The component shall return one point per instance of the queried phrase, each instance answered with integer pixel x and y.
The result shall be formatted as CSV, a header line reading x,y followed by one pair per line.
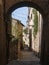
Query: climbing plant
x,y
18,33
25,30
35,22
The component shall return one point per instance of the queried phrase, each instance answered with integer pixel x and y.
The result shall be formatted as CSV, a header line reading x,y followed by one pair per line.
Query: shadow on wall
x,y
36,53
13,48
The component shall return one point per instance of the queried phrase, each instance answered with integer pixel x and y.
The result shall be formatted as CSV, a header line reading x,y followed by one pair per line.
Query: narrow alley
x,y
26,44
28,58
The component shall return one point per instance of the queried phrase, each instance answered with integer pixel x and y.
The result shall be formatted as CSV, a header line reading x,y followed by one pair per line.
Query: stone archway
x,y
22,4
42,6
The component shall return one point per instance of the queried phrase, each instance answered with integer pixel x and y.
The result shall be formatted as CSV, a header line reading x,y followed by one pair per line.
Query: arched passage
x,y
15,6
23,4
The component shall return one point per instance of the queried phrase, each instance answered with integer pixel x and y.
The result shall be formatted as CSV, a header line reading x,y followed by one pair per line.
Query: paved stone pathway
x,y
14,62
28,58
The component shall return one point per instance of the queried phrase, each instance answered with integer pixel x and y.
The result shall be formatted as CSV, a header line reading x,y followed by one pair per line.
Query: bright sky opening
x,y
21,14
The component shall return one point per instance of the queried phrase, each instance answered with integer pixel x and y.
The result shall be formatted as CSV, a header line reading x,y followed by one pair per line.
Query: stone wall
x,y
2,36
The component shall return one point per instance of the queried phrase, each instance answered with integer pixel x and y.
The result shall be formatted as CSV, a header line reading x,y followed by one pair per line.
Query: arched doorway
x,y
21,4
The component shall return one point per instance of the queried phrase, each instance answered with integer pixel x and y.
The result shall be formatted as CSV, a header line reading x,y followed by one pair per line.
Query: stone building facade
x,y
16,34
36,41
18,31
